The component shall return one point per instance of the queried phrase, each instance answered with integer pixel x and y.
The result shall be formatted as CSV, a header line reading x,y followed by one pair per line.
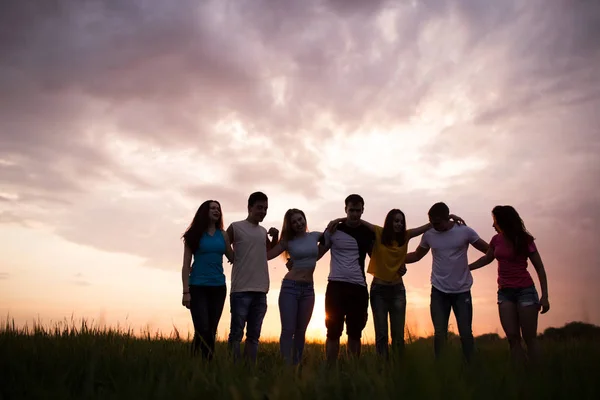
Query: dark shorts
x,y
347,302
524,297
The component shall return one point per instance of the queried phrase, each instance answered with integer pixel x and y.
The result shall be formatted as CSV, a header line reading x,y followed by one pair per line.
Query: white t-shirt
x,y
450,271
250,271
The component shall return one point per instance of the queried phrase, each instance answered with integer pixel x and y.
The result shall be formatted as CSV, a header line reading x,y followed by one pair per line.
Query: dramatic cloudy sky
x,y
118,118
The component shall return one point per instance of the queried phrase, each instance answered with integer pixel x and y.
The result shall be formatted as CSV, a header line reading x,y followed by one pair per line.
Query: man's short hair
x,y
256,197
355,199
439,210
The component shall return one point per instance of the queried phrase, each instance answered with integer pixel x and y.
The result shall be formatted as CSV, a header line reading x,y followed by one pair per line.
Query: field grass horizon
x,y
71,361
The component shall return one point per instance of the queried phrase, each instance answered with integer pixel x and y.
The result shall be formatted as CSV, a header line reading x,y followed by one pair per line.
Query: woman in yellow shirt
x,y
386,264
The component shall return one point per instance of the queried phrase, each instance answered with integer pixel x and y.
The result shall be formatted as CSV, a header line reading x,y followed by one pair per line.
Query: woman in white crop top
x,y
297,295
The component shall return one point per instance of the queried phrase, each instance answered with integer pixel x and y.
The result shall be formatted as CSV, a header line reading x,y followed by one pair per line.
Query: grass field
x,y
77,362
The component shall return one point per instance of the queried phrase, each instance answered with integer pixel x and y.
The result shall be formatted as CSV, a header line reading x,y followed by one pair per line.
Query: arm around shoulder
x,y
416,255
483,260
276,250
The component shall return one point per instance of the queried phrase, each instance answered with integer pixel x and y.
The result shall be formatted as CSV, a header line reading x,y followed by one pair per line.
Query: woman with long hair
x,y
518,301
387,265
297,296
204,288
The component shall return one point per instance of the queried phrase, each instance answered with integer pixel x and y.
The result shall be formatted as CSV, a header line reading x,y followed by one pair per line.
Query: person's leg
x,y
239,306
440,314
529,308
379,308
334,320
288,310
398,317
356,316
215,310
256,315
463,312
509,319
199,310
306,304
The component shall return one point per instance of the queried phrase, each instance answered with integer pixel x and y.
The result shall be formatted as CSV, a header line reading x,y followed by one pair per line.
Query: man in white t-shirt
x,y
249,276
451,279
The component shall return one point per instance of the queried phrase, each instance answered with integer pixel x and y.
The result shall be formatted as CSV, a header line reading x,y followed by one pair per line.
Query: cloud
x,y
79,280
120,118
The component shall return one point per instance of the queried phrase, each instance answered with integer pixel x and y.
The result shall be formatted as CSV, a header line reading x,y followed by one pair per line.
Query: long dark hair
x,y
388,235
200,224
287,232
510,223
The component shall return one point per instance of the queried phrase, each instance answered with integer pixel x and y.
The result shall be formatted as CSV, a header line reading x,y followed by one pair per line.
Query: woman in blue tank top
x,y
297,295
204,289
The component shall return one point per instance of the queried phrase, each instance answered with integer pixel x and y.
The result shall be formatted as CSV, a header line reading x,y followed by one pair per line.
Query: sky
x,y
119,118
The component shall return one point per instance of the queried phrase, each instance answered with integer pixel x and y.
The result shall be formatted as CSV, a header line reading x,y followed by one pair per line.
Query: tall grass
x,y
78,361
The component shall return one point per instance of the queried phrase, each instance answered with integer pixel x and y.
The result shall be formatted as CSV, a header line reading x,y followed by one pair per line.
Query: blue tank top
x,y
207,268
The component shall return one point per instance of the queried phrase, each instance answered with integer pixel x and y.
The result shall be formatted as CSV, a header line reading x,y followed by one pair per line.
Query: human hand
x,y
333,224
402,270
457,219
544,305
186,300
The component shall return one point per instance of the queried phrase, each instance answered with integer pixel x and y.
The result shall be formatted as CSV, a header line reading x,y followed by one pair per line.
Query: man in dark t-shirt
x,y
347,297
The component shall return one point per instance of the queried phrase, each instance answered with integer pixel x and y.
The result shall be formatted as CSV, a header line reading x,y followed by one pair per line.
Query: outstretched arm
x,y
416,255
368,225
275,251
414,232
484,260
481,245
536,260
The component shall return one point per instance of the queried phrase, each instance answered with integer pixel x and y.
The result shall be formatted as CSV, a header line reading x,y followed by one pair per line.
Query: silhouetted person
x,y
249,276
204,288
451,279
518,302
387,265
297,295
347,297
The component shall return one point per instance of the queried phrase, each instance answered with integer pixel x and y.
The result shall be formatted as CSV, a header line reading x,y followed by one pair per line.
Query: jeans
x,y
296,303
524,297
462,305
206,307
248,310
388,300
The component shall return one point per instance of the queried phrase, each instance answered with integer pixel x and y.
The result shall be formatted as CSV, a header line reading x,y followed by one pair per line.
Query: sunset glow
x,y
112,133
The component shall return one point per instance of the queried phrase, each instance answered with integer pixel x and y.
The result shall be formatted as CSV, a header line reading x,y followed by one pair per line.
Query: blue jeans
x,y
462,305
388,300
524,297
247,308
296,303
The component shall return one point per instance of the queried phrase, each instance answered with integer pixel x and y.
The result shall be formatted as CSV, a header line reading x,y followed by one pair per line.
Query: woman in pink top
x,y
518,302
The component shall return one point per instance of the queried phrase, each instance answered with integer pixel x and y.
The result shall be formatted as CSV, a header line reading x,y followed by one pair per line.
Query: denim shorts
x,y
524,297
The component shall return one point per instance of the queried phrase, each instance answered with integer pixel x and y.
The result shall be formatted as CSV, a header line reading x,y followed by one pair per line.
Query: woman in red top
x,y
518,302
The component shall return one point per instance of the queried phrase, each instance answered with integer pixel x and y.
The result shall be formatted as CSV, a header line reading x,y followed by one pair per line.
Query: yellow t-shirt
x,y
386,260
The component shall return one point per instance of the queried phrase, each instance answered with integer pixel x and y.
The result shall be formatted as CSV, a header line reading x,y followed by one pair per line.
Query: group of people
x,y
249,247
